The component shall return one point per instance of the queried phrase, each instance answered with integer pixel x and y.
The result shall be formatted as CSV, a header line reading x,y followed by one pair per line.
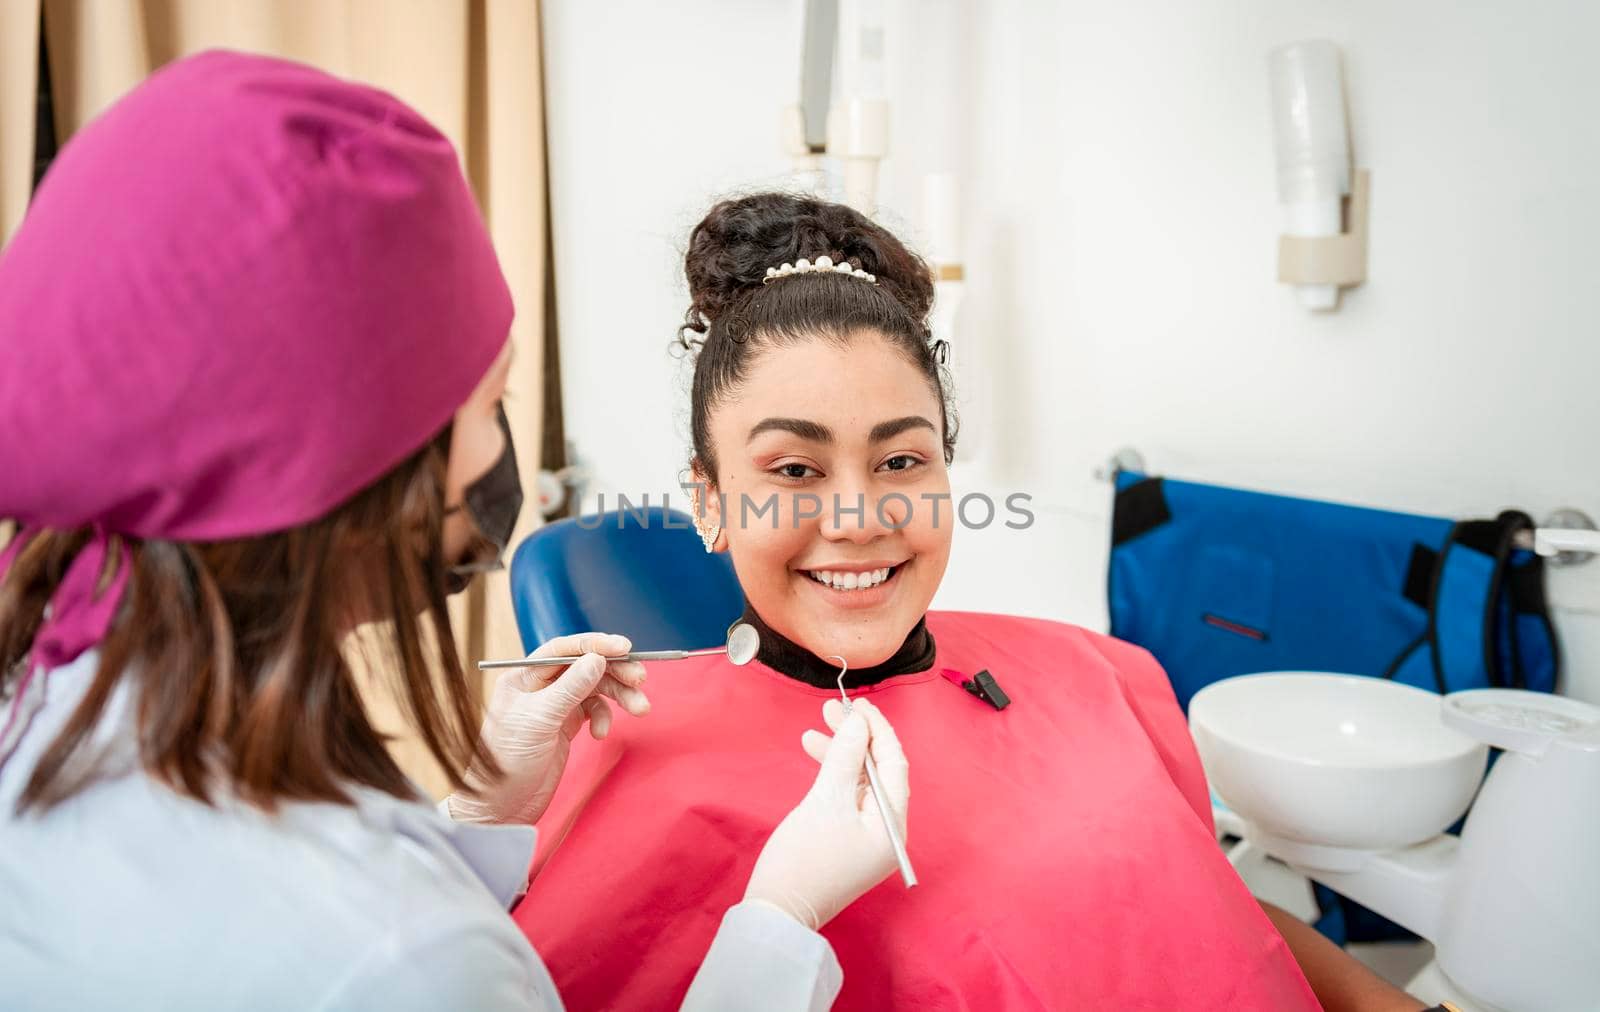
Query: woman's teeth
x,y
851,581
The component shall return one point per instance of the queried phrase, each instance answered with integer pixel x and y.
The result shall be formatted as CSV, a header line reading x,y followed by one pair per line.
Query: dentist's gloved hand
x,y
833,847
533,715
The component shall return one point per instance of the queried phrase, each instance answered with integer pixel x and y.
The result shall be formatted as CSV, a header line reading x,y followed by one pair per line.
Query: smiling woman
x,y
839,566
820,389
1063,843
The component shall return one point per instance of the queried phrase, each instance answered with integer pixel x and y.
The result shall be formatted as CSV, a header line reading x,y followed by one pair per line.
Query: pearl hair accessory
x,y
824,265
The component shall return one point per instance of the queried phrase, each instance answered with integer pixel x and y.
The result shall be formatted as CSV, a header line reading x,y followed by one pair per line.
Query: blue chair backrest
x,y
639,572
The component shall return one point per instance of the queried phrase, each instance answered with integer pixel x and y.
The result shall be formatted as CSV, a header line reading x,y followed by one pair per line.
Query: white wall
x,y
655,109
1121,241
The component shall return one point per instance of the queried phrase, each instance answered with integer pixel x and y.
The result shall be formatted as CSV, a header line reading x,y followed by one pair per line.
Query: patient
x,y
1064,843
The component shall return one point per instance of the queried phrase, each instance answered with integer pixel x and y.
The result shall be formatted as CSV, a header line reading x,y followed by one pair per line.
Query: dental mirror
x,y
743,644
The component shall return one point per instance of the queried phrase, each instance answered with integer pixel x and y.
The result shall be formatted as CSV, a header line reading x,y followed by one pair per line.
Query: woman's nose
x,y
861,515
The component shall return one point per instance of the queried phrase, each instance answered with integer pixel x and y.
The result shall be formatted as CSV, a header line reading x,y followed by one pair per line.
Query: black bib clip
x,y
981,685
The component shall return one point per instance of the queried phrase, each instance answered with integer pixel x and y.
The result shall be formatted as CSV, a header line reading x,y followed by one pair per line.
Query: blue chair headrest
x,y
639,572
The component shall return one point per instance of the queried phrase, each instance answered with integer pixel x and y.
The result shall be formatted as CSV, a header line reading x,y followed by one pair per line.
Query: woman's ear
x,y
708,512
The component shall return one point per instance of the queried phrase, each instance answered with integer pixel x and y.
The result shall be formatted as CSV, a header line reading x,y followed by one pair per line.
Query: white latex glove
x,y
833,847
533,715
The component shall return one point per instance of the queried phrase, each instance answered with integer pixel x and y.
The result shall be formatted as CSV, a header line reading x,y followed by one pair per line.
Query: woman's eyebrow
x,y
891,429
813,431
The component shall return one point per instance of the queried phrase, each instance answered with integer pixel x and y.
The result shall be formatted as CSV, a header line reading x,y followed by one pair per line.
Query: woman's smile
x,y
854,586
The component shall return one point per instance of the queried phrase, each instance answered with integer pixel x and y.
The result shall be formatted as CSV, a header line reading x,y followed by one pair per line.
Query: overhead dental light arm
x,y
816,71
843,111
805,124
858,124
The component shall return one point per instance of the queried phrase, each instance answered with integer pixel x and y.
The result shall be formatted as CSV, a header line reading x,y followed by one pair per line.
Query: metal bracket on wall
x,y
1567,537
1336,259
1125,459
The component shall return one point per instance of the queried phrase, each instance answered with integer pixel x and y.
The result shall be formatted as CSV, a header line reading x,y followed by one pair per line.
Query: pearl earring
x,y
707,530
708,533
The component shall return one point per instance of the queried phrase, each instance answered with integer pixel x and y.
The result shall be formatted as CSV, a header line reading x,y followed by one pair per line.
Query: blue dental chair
x,y
639,572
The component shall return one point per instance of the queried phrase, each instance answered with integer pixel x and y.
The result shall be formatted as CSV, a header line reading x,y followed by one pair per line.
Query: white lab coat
x,y
131,896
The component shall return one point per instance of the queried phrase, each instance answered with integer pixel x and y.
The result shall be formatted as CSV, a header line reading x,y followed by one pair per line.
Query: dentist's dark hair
x,y
733,315
236,661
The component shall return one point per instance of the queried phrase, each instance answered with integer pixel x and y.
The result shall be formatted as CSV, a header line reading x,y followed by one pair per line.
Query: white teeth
x,y
851,581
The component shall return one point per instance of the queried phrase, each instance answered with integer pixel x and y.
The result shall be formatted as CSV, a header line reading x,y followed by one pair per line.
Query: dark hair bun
x,y
732,247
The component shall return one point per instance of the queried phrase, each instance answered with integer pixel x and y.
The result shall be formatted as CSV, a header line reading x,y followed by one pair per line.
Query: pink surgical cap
x,y
240,296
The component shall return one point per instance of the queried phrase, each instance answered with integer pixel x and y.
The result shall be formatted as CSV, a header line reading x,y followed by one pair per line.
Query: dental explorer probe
x,y
907,875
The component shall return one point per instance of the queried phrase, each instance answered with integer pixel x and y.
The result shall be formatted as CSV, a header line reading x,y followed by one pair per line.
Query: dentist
x,y
254,348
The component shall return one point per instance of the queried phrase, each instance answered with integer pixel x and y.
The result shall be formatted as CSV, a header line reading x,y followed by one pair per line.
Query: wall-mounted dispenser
x,y
1324,244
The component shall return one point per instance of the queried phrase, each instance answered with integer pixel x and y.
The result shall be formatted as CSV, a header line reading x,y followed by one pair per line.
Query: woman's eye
x,y
795,471
901,462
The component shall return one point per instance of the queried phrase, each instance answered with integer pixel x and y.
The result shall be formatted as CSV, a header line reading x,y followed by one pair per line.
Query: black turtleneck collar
x,y
787,658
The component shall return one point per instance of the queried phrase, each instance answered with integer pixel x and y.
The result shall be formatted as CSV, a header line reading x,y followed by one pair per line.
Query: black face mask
x,y
493,503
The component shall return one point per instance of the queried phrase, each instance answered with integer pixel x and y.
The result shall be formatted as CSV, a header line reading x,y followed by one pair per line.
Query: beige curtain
x,y
472,67
19,72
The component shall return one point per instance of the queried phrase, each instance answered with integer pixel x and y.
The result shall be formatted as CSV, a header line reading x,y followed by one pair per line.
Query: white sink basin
x,y
1335,760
